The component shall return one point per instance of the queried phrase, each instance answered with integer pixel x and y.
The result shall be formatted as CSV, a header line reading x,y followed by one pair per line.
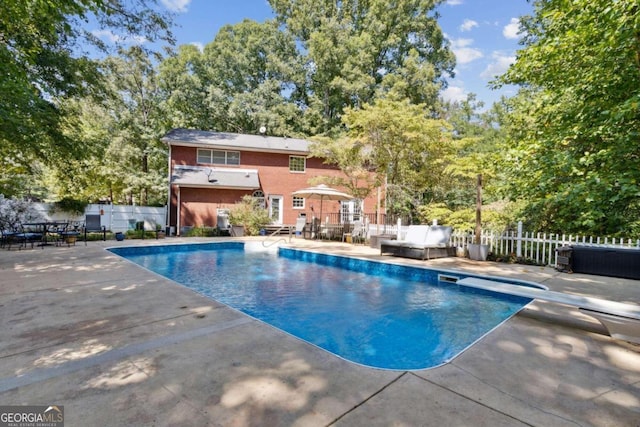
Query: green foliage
x,y
40,70
202,232
494,217
574,127
70,205
249,214
401,141
250,75
354,160
123,159
362,51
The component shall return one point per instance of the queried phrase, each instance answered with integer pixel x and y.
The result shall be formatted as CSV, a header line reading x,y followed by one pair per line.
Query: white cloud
x,y
461,42
464,52
112,37
467,25
454,2
454,94
500,64
199,45
176,5
467,54
512,29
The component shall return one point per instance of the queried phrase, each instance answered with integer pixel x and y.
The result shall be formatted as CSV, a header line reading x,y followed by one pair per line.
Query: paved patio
x,y
118,345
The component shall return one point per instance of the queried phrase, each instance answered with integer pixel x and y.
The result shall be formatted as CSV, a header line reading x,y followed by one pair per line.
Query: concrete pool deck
x,y
118,345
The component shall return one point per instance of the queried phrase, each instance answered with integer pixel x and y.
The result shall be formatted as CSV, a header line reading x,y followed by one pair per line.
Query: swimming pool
x,y
376,314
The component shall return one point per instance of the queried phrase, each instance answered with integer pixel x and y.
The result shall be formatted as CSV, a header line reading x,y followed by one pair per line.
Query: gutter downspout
x,y
178,214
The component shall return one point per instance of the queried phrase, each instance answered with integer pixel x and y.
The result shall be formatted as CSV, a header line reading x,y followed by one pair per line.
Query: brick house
x,y
211,171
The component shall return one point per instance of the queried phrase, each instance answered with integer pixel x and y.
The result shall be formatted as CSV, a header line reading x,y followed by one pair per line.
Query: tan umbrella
x,y
322,192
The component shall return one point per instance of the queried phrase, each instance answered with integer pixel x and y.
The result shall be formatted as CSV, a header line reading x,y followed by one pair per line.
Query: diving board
x,y
621,320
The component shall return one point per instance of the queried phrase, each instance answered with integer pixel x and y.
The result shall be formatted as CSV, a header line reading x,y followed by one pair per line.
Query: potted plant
x,y
478,251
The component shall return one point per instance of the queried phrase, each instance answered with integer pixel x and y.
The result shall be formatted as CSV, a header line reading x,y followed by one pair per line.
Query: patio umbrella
x,y
322,192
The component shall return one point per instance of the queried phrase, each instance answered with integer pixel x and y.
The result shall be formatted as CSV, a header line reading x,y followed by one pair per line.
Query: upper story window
x,y
297,163
218,157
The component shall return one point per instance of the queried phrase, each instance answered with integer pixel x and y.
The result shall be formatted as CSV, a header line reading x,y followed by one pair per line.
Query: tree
x,y
123,159
182,79
405,145
42,63
477,138
353,158
357,51
574,127
139,155
249,76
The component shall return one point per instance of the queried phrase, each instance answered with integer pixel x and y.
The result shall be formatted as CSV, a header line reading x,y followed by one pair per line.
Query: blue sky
x,y
483,34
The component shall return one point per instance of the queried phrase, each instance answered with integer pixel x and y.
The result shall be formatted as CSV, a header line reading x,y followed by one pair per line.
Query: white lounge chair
x,y
421,242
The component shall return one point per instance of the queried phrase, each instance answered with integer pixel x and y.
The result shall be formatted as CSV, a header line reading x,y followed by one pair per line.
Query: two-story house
x,y
211,171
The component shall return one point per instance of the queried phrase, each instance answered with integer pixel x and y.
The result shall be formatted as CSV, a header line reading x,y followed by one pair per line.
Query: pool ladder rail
x,y
278,231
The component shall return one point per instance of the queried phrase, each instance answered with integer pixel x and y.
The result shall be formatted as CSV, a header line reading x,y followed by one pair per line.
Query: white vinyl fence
x,y
113,217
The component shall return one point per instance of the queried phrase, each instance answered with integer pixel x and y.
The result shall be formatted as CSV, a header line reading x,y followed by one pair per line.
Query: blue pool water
x,y
376,314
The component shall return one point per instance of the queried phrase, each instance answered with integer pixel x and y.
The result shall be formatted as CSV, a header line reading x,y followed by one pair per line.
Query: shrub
x,y
202,232
249,214
69,205
14,212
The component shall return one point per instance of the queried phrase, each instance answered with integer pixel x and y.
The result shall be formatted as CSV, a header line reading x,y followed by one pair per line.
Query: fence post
x,y
519,240
399,236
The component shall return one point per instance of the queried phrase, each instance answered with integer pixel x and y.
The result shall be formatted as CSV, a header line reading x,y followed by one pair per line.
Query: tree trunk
x,y
478,230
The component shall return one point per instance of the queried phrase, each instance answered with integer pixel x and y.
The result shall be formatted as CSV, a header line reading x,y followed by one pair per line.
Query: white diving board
x,y
621,320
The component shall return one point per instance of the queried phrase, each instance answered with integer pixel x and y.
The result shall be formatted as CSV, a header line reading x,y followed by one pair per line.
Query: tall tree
x,y
40,65
139,124
575,126
400,141
182,79
357,49
249,76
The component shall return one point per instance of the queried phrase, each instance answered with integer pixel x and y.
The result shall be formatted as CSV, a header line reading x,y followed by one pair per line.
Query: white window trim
x,y
211,162
304,159
304,203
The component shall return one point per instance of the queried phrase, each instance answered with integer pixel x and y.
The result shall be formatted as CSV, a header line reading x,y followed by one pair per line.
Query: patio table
x,y
46,228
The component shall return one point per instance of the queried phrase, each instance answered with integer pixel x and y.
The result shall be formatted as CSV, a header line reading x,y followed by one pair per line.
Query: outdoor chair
x,y
301,223
357,233
92,225
8,237
23,236
68,234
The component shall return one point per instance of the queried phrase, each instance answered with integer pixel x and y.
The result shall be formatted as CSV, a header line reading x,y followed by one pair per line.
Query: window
x,y
259,196
351,211
297,164
298,202
218,157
